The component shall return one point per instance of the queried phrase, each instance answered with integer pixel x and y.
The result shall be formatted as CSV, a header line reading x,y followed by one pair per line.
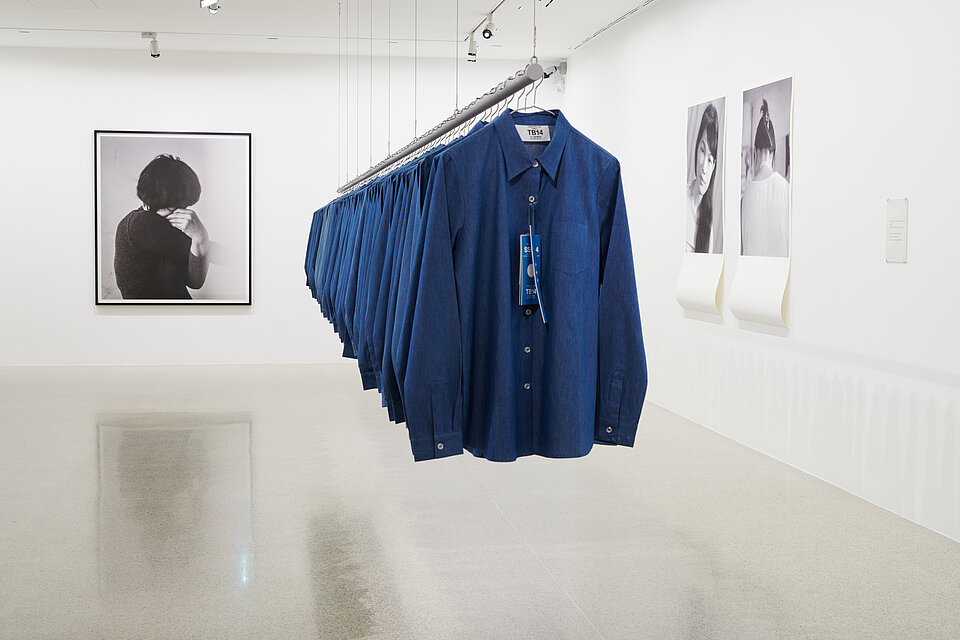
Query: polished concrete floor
x,y
278,502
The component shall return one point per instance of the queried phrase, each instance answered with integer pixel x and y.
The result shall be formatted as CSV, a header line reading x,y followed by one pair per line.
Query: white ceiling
x,y
430,28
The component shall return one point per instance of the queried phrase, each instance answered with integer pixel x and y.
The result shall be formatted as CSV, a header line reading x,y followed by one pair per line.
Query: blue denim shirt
x,y
361,265
372,273
313,248
486,374
406,202
374,254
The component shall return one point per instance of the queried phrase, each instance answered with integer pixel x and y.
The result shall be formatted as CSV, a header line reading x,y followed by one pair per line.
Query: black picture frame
x,y
154,260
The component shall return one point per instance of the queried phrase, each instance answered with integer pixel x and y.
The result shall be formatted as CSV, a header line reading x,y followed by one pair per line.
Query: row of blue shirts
x,y
420,274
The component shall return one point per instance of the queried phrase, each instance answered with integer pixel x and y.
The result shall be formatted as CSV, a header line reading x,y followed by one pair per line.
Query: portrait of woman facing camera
x,y
704,222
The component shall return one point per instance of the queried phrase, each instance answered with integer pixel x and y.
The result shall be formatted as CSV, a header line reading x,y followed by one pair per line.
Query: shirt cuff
x,y
615,432
348,350
439,446
368,379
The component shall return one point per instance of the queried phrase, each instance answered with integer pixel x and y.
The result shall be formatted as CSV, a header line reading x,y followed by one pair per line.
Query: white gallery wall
x,y
863,389
53,101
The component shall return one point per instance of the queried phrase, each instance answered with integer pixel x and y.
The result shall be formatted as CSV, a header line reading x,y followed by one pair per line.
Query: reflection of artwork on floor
x,y
175,504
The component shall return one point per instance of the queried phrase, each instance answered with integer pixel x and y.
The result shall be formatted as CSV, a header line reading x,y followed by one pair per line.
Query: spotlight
x,y
154,46
557,68
210,5
472,51
488,30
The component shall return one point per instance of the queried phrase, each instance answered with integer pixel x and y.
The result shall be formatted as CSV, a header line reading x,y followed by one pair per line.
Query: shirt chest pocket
x,y
571,247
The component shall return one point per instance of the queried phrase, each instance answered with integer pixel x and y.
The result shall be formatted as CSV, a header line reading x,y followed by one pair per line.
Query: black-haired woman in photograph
x,y
162,247
703,228
765,205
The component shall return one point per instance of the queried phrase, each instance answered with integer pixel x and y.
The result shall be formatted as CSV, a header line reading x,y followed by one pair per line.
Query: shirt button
x,y
609,430
440,446
526,349
526,385
536,164
532,198
527,311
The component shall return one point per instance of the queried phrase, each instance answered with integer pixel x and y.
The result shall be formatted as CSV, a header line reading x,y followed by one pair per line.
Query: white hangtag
x,y
534,132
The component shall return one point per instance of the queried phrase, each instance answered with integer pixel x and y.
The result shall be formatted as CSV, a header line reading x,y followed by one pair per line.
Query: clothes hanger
x,y
505,105
533,107
464,129
453,134
516,100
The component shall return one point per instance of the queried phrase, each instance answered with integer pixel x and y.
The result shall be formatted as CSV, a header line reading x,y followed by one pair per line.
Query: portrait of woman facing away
x,y
173,218
162,246
765,179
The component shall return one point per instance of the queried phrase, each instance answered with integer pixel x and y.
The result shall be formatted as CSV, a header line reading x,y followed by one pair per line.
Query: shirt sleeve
x,y
309,263
369,363
346,286
432,383
151,233
622,364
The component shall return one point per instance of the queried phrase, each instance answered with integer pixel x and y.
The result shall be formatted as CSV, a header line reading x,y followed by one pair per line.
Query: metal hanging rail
x,y
501,92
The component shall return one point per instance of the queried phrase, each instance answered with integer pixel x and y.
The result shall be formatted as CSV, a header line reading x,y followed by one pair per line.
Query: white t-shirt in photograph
x,y
765,221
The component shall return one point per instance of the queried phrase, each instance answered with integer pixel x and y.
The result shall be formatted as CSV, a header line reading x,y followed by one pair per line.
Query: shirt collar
x,y
514,151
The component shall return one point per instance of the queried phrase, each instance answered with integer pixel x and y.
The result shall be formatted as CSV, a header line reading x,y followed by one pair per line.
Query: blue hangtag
x,y
529,269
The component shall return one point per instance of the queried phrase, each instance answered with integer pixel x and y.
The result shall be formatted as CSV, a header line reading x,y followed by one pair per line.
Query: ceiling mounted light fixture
x,y
210,5
154,45
488,30
472,50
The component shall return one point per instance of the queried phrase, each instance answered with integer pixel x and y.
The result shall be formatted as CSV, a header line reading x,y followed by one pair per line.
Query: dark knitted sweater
x,y
151,258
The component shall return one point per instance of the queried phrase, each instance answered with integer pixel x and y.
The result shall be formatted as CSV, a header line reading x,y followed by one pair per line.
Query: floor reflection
x,y
175,500
139,525
342,592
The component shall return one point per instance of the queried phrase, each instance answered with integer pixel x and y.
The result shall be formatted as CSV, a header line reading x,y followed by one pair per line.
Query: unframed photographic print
x,y
765,170
172,217
704,210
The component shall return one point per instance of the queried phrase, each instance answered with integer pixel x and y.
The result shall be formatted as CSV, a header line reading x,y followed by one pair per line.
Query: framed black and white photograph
x,y
704,210
765,170
172,218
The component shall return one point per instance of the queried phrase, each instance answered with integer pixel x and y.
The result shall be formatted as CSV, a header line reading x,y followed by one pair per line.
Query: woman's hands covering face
x,y
187,221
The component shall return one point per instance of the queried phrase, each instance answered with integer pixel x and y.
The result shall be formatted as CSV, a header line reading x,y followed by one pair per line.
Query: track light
x,y
154,46
210,5
488,30
557,68
472,50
